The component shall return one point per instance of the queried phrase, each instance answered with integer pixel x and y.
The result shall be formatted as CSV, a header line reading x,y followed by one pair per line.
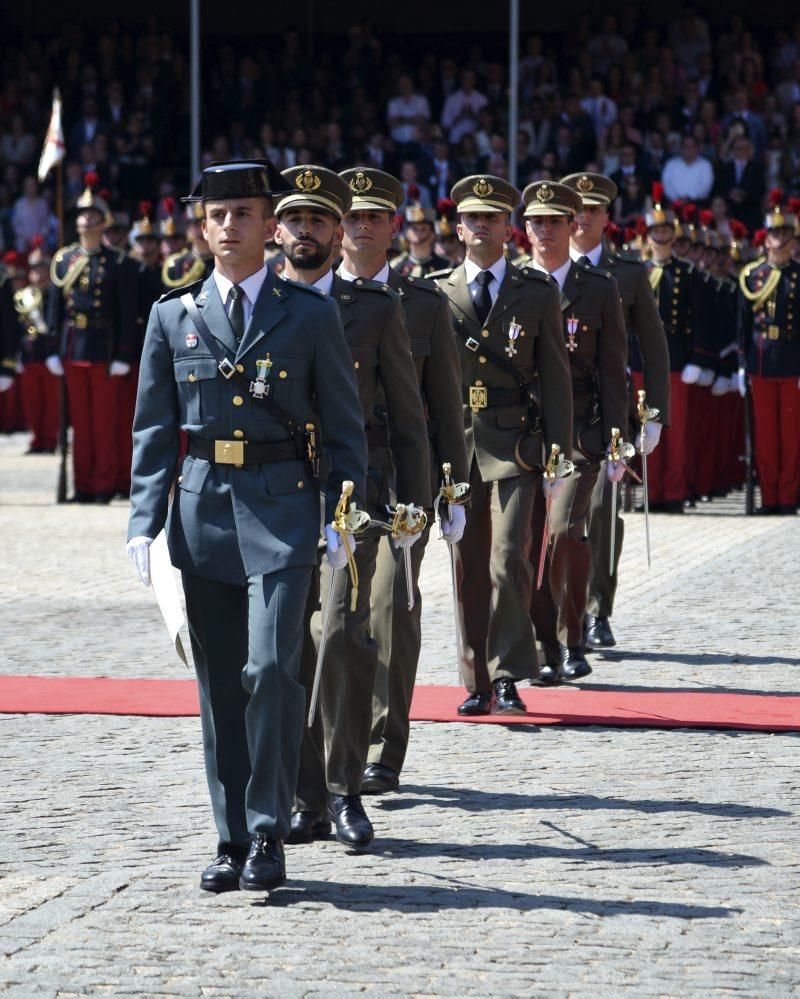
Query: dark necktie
x,y
483,300
584,261
237,311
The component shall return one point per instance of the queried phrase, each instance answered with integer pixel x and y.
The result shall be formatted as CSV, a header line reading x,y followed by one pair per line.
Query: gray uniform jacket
x,y
229,523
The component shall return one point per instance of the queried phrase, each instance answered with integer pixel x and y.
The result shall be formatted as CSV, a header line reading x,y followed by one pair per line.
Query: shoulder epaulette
x,y
425,283
177,292
366,285
600,271
534,274
58,258
436,275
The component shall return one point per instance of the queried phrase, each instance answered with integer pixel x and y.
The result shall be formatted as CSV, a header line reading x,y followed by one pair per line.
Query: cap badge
x,y
415,213
360,183
482,188
545,193
307,181
585,184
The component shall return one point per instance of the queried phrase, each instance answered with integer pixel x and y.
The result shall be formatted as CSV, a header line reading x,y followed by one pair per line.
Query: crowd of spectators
x,y
710,109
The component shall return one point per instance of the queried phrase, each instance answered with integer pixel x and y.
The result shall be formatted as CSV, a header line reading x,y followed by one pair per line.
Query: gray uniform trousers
x,y
246,643
334,752
602,584
399,639
495,579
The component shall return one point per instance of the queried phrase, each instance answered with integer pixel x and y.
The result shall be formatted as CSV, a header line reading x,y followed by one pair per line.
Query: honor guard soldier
x,y
38,350
769,338
643,324
682,304
170,231
369,227
240,362
447,244
115,234
9,347
507,325
92,306
193,264
421,257
309,230
597,345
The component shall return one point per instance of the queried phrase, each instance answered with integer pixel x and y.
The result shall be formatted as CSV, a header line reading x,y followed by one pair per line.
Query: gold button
x,y
192,377
240,368
237,400
481,360
478,384
485,333
357,365
282,374
301,484
238,434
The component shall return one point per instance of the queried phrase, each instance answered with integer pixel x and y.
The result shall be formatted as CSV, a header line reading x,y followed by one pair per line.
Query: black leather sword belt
x,y
479,397
240,453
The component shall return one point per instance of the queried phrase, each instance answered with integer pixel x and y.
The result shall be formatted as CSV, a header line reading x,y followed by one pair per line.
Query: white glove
x,y
6,381
407,540
739,382
652,435
453,530
337,556
54,365
690,374
552,487
706,377
615,471
139,551
721,386
118,369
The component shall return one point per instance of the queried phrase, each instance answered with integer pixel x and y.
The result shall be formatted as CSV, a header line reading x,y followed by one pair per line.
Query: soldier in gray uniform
x,y
309,230
235,361
369,228
507,325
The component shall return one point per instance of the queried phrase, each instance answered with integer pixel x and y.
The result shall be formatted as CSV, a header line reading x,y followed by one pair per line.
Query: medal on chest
x,y
259,389
514,330
572,330
191,340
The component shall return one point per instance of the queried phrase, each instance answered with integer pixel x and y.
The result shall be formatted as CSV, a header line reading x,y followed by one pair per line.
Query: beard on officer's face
x,y
306,259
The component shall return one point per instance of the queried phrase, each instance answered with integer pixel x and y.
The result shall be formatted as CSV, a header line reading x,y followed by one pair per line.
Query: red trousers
x,y
41,398
776,415
127,405
666,466
702,433
12,416
93,402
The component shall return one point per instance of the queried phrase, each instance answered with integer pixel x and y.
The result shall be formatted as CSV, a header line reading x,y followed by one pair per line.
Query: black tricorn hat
x,y
224,179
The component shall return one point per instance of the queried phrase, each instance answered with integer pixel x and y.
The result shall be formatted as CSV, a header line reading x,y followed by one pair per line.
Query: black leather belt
x,y
492,398
240,453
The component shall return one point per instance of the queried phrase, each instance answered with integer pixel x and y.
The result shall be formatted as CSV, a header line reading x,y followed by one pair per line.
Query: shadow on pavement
x,y
695,658
700,688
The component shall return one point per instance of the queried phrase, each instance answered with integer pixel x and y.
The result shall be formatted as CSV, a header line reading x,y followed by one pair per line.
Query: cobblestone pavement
x,y
514,861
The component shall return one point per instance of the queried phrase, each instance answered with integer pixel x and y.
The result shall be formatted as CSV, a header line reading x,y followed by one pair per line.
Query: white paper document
x,y
162,577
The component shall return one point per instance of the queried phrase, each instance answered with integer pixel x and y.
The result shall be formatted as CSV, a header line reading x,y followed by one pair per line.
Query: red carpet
x,y
562,706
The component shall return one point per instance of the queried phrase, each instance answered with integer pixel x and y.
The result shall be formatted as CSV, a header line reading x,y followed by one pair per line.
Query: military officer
x,y
310,232
92,307
595,338
38,345
193,264
421,257
507,324
643,324
682,304
447,243
369,227
244,523
769,337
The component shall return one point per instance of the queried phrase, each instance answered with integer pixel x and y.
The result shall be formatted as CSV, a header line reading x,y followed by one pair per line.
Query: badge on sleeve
x,y
191,340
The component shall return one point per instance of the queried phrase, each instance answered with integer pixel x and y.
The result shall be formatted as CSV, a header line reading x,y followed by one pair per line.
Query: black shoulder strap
x,y
228,371
496,359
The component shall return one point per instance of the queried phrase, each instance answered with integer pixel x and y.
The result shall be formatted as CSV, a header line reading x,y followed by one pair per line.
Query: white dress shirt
x,y
251,287
688,180
325,283
472,270
593,255
382,275
559,275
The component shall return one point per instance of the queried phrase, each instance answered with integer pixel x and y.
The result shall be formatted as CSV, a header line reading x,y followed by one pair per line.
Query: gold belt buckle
x,y
229,453
773,332
81,321
478,398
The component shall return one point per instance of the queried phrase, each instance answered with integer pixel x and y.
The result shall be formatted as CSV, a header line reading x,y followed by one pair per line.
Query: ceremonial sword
x,y
618,450
346,520
452,494
645,415
557,467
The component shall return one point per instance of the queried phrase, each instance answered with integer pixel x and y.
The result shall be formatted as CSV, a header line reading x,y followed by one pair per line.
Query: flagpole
x,y
60,202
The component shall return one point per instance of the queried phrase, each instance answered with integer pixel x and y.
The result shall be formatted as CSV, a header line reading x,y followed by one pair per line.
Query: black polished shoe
x,y
767,511
787,510
550,675
81,497
675,506
507,700
265,867
479,703
103,499
379,779
224,872
353,828
598,633
574,664
308,826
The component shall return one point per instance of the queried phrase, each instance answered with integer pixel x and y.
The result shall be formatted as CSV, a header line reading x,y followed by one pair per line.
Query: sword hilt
x,y
613,447
551,468
342,528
